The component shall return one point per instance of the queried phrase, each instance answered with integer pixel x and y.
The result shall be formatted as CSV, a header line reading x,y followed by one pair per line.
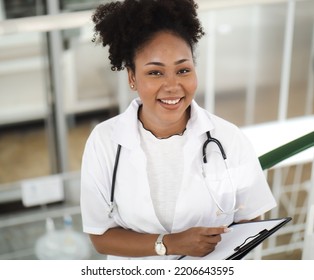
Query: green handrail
x,y
285,151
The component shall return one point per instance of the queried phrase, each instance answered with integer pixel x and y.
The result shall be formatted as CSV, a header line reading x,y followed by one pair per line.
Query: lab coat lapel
x,y
138,192
134,166
126,130
197,126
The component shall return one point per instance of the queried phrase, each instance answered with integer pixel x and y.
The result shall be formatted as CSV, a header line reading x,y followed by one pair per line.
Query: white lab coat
x,y
195,207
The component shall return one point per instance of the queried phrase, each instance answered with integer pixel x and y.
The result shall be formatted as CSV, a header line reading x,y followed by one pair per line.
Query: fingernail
x,y
228,229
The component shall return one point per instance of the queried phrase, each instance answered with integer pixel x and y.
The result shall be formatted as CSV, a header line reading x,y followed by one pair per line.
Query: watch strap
x,y
160,238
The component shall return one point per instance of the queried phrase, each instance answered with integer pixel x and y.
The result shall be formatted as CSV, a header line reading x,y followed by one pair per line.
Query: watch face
x,y
160,249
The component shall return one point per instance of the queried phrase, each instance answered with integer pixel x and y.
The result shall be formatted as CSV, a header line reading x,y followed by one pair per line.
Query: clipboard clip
x,y
240,247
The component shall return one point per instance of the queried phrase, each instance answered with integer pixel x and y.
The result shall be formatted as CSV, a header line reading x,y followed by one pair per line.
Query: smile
x,y
170,102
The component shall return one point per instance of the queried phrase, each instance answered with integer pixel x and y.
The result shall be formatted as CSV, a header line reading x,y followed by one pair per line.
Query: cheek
x,y
145,94
191,87
147,90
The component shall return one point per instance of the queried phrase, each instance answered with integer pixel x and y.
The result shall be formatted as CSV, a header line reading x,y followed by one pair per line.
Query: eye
x,y
154,73
184,71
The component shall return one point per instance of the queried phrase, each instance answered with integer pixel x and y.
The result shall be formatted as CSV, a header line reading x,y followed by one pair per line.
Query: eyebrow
x,y
162,64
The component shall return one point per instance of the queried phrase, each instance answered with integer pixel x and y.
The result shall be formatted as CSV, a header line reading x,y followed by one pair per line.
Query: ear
x,y
131,79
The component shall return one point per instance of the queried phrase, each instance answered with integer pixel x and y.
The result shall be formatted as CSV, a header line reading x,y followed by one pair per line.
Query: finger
x,y
215,231
214,239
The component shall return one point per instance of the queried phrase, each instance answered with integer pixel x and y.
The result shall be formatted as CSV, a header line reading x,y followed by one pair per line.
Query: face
x,y
165,80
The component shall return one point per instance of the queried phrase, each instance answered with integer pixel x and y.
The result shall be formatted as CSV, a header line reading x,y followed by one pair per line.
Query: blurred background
x,y
255,68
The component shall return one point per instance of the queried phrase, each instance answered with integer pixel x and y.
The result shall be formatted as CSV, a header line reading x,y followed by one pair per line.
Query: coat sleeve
x,y
95,187
254,196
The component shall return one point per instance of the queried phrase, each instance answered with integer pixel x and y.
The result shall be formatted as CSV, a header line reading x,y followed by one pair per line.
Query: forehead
x,y
164,46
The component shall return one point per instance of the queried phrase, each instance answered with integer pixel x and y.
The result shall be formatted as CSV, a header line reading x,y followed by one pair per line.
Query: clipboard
x,y
243,238
245,247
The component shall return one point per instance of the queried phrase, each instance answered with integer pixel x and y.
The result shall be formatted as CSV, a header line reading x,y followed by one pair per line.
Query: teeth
x,y
170,102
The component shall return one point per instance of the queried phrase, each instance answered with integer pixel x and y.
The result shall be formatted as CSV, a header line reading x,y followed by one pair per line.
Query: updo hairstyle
x,y
126,26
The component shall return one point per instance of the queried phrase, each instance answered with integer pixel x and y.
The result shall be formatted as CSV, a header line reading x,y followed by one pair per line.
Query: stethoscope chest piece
x,y
112,209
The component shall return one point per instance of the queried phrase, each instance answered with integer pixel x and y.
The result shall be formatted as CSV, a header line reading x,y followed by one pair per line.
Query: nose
x,y
171,83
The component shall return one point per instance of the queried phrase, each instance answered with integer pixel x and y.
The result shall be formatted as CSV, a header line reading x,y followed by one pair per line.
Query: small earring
x,y
132,86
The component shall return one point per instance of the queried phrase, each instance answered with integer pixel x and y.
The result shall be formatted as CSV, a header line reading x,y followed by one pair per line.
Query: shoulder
x,y
221,124
99,146
229,134
228,131
121,129
218,124
104,130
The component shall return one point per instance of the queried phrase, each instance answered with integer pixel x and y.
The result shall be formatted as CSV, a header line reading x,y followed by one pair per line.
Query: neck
x,y
165,130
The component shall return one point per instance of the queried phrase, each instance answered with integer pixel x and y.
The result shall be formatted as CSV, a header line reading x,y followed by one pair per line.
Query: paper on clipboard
x,y
225,249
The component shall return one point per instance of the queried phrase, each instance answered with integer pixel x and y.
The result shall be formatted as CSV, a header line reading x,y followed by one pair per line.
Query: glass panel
x,y
90,89
248,45
23,8
302,68
28,8
24,151
79,5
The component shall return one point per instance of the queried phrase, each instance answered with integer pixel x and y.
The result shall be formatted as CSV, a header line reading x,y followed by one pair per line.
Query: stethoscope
x,y
221,210
209,139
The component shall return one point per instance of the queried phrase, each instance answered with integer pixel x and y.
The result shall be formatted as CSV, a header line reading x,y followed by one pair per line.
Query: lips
x,y
170,101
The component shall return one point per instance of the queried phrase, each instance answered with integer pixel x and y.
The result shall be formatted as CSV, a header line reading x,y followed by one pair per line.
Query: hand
x,y
197,241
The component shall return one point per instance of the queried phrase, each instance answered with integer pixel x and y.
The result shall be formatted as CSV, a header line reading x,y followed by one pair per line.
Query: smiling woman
x,y
143,192
165,80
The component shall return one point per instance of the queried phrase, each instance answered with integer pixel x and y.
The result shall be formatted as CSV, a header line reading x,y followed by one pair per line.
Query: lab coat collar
x,y
200,121
126,128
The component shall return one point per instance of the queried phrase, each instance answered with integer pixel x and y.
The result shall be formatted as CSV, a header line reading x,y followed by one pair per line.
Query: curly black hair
x,y
126,26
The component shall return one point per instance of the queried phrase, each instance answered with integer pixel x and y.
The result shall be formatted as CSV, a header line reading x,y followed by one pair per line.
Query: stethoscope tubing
x,y
223,154
209,140
114,176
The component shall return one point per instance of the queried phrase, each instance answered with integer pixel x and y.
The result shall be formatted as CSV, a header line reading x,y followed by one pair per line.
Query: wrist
x,y
169,241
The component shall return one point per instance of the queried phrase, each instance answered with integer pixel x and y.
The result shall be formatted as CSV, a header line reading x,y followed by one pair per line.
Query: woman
x,y
163,205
